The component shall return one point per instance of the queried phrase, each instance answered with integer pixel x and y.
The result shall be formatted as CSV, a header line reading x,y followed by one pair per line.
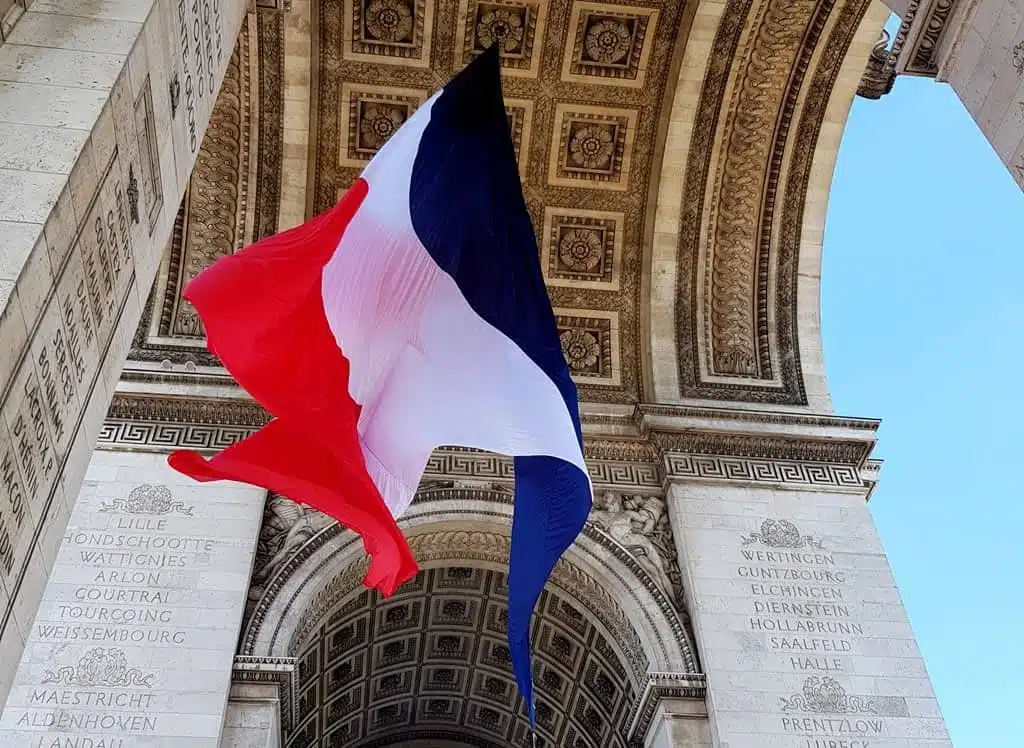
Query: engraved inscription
x,y
12,506
189,87
29,433
40,414
136,588
201,35
803,613
79,325
51,353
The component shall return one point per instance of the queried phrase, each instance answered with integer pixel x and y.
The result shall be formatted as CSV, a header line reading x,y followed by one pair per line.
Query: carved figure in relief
x,y
633,522
286,527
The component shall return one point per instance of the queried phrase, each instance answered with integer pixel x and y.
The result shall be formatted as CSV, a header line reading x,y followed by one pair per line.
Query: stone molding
x,y
292,533
916,48
663,686
327,559
279,670
773,66
629,452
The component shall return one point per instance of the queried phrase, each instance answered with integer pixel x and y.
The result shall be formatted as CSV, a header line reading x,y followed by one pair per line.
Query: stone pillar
x,y
258,703
135,637
678,724
102,109
977,46
798,621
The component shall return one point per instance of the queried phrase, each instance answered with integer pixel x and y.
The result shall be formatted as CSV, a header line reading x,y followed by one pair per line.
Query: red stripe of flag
x,y
264,318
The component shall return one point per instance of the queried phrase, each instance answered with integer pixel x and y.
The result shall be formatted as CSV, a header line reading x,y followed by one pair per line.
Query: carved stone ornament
x,y
1018,58
640,525
132,193
100,667
286,527
502,25
174,91
148,499
389,21
880,73
824,695
780,533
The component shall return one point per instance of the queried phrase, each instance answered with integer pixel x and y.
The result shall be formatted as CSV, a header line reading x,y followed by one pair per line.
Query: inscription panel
x,y
42,406
134,640
801,630
201,35
61,377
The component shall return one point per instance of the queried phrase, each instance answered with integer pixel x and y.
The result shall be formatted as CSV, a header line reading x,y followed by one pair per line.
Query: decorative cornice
x,y
672,442
663,686
644,412
279,670
188,410
771,472
915,49
165,423
832,452
922,59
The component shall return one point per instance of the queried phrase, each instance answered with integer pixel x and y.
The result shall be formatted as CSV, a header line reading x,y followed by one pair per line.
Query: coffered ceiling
x,y
671,153
432,663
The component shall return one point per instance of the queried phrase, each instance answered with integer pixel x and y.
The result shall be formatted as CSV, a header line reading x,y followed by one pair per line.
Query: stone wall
x,y
101,115
135,637
977,46
800,626
981,55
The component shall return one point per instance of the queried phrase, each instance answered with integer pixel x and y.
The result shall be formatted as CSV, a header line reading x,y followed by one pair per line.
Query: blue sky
x,y
923,313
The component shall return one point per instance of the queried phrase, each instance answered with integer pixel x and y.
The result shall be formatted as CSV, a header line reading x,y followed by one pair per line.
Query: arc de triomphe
x,y
730,589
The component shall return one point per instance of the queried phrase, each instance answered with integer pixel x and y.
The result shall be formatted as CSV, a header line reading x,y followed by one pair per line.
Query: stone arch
x,y
700,238
613,600
734,250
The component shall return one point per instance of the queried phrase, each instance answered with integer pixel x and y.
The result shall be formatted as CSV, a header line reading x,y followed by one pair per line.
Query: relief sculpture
x,y
640,525
286,527
100,667
780,533
148,499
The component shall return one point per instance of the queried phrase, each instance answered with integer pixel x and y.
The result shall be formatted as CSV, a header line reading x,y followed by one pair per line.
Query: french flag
x,y
412,315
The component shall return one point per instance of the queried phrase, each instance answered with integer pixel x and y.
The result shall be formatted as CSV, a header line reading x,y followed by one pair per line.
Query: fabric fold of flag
x,y
412,315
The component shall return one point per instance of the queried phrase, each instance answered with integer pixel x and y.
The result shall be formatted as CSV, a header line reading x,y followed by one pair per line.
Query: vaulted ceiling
x,y
675,158
432,663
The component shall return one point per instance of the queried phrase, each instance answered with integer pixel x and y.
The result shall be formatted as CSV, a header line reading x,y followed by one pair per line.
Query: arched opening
x,y
431,664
